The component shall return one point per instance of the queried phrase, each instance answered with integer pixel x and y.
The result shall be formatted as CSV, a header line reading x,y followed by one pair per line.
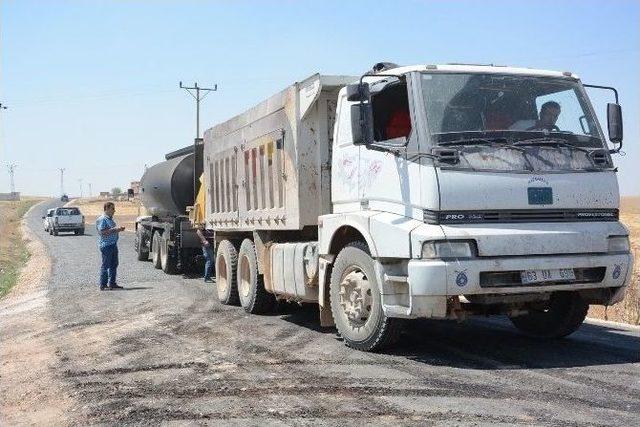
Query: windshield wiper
x,y
550,141
474,141
490,142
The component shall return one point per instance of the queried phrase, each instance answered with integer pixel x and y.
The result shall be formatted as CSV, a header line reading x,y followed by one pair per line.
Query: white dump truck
x,y
429,191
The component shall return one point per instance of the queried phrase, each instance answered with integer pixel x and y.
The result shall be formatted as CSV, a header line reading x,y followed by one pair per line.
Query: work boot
x,y
115,286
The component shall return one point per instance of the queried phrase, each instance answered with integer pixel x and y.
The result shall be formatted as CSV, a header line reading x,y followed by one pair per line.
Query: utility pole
x,y
90,192
198,98
80,182
62,181
197,140
12,170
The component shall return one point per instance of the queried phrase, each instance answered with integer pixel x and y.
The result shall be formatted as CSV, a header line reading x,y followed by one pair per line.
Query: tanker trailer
x,y
167,235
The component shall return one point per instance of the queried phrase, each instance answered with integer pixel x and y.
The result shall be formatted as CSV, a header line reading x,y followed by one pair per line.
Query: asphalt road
x,y
165,350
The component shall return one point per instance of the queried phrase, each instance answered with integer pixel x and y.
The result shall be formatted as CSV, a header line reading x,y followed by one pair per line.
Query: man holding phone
x,y
108,243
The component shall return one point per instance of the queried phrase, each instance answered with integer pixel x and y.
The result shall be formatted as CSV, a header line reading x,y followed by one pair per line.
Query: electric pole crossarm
x,y
198,98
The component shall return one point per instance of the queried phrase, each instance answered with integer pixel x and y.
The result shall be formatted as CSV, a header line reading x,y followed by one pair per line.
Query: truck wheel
x,y
563,316
167,262
356,303
141,244
81,232
253,297
155,250
226,265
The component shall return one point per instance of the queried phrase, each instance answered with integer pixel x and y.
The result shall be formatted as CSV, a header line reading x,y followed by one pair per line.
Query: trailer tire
x,y
353,274
155,250
226,266
141,247
565,314
251,292
167,262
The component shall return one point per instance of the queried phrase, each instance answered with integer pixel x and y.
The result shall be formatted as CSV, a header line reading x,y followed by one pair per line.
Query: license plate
x,y
553,275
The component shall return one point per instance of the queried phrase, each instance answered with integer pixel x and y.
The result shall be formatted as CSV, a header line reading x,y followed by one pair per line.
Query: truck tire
x,y
155,250
81,232
253,297
141,244
226,266
356,303
167,262
564,315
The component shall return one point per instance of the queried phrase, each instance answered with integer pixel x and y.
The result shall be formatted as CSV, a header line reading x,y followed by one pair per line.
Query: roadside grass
x,y
13,250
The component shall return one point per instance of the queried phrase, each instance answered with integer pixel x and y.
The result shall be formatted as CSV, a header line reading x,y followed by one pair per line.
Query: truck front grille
x,y
495,279
521,215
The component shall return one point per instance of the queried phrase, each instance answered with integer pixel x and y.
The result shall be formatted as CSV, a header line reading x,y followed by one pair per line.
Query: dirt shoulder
x,y
32,392
13,250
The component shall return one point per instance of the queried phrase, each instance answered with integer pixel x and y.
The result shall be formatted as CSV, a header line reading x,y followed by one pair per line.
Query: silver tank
x,y
166,189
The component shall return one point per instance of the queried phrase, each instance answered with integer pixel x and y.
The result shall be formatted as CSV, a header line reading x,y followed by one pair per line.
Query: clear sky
x,y
92,86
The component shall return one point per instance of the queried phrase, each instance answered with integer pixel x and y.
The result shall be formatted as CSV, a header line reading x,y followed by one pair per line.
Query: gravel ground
x,y
165,351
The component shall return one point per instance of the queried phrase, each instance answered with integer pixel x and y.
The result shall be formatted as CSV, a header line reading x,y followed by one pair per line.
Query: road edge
x,y
33,392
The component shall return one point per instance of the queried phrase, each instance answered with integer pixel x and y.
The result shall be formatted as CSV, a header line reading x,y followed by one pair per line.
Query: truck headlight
x,y
448,249
619,244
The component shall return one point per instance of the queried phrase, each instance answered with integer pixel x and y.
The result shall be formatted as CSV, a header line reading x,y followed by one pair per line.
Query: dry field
x,y
627,311
126,211
13,252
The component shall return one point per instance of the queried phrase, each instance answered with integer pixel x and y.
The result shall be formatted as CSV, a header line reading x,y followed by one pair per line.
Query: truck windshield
x,y
547,117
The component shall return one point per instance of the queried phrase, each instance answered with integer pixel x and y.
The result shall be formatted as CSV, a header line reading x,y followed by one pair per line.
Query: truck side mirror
x,y
614,122
358,92
362,124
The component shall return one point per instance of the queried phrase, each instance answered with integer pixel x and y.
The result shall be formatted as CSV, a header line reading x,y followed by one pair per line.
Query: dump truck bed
x,y
269,167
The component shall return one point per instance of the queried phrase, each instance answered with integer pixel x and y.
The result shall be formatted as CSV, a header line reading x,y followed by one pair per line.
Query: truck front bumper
x,y
432,282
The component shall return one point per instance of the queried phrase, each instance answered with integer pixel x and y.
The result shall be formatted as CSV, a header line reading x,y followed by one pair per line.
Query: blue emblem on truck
x,y
616,271
461,278
540,195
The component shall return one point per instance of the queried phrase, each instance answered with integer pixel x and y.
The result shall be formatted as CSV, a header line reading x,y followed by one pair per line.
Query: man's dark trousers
x,y
109,267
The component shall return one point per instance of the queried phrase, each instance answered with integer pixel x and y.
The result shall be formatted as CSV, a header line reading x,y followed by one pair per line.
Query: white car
x,y
66,219
47,219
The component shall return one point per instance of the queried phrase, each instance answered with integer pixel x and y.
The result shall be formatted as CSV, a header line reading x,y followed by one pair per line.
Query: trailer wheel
x,y
155,250
141,246
226,266
253,297
167,262
563,316
356,303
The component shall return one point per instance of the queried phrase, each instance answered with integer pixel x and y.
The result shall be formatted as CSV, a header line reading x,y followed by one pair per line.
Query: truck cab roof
x,y
481,68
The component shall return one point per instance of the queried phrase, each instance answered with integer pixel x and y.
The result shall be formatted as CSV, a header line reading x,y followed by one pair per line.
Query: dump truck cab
x,y
474,189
